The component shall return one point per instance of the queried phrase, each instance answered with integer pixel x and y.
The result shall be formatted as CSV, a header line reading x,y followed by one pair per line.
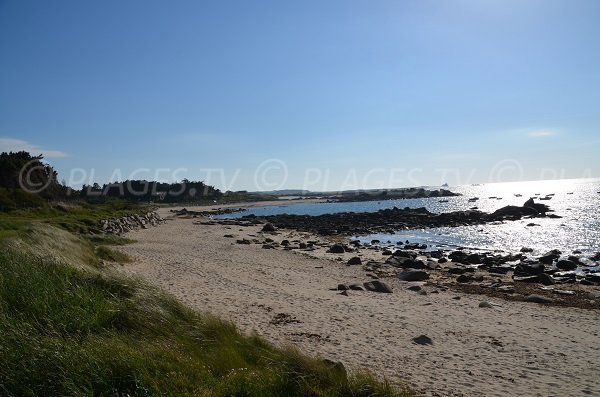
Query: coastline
x,y
510,348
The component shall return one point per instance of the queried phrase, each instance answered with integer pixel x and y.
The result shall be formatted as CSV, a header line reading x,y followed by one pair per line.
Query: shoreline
x,y
286,295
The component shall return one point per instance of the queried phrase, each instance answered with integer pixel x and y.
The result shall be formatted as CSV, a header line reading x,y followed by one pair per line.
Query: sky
x,y
319,95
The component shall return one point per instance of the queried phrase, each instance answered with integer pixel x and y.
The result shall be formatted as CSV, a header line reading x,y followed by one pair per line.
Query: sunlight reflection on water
x,y
575,200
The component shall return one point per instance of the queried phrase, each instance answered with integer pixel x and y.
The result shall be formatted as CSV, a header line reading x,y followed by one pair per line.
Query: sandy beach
x,y
512,348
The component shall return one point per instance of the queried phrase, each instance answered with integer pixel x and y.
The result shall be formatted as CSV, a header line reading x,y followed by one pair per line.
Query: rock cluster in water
x,y
388,220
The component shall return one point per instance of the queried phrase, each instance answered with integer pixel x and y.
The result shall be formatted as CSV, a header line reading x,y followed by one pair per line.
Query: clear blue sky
x,y
339,86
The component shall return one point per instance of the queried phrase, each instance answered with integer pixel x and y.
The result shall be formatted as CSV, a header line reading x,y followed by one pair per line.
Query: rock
x,y
566,265
529,269
526,249
456,270
538,299
422,292
486,305
458,256
243,241
356,287
285,243
473,259
267,246
543,278
422,340
377,286
550,257
413,275
342,287
355,261
415,288
337,249
593,277
498,269
466,278
268,227
507,289
404,254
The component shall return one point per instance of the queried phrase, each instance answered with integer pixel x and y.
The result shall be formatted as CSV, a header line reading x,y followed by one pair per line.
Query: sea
x,y
577,201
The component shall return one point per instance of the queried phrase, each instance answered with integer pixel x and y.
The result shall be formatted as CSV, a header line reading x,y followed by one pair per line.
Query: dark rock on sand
x,y
356,287
538,299
268,227
377,286
466,278
337,249
543,278
422,340
355,261
413,275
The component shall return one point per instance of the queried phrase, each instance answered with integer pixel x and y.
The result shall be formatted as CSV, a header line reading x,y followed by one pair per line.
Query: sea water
x,y
576,201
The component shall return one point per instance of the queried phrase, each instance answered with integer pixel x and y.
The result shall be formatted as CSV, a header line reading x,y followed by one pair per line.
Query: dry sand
x,y
515,348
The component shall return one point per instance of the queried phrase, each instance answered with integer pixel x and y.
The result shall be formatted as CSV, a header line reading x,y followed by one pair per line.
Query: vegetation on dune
x,y
68,331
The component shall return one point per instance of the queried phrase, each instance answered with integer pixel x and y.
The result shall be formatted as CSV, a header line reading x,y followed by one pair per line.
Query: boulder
x,y
549,257
529,269
413,275
355,261
565,264
337,249
377,286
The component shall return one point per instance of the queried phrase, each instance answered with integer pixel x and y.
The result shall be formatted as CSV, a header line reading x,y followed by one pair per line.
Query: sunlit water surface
x,y
577,201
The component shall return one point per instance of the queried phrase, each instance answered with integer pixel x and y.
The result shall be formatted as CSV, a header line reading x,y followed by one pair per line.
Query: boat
x,y
518,195
473,199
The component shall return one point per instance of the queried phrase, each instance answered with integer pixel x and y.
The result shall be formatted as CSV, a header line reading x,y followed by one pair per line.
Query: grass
x,y
72,332
76,217
107,254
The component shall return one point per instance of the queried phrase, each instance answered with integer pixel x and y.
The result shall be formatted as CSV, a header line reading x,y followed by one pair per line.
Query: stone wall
x,y
131,222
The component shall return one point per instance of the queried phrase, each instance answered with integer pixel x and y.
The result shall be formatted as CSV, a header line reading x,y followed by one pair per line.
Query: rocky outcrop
x,y
362,223
132,222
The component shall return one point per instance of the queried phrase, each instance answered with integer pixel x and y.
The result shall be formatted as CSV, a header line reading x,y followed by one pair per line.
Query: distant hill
x,y
287,192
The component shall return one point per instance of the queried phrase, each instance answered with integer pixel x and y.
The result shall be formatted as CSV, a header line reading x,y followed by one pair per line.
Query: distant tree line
x,y
145,191
26,182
